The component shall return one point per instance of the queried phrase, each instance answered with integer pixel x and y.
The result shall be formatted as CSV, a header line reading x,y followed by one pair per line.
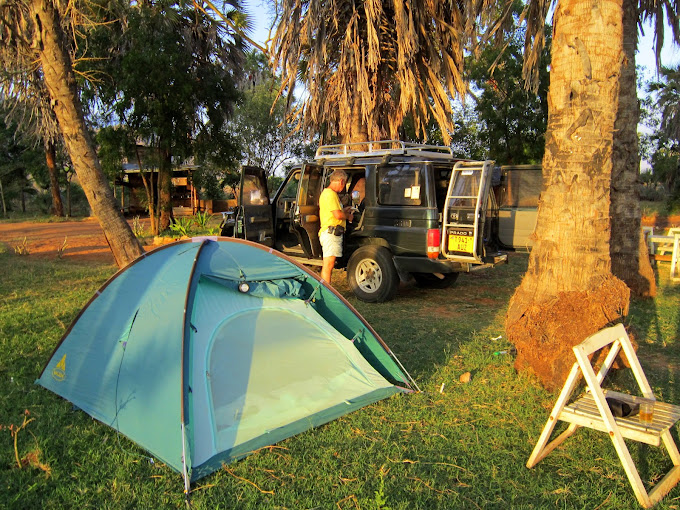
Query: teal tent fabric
x,y
205,350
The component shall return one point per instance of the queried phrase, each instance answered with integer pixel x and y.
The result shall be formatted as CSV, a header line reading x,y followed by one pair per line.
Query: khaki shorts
x,y
331,244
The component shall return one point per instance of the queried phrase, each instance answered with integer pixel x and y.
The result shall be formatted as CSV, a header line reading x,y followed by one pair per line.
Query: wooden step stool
x,y
593,412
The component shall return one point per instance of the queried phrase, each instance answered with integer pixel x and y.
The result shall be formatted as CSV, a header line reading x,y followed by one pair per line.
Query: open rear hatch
x,y
464,212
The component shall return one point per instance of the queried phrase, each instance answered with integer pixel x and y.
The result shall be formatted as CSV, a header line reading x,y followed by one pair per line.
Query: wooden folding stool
x,y
592,411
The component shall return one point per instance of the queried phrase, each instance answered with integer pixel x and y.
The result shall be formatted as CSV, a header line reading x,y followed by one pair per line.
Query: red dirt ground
x,y
85,240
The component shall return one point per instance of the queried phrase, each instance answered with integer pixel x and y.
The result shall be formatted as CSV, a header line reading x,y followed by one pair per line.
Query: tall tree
x,y
180,108
366,66
18,160
569,291
267,139
667,92
572,239
28,106
630,260
32,32
513,118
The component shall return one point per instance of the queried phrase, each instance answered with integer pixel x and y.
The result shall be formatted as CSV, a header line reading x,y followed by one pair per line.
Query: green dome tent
x,y
205,350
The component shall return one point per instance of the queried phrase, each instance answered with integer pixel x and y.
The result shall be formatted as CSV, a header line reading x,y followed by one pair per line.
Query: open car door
x,y
305,222
253,219
464,212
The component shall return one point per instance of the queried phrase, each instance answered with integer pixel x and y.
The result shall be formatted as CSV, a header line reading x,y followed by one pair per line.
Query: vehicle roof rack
x,y
380,148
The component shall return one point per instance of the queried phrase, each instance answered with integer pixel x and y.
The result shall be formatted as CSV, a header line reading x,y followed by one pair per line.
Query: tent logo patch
x,y
59,372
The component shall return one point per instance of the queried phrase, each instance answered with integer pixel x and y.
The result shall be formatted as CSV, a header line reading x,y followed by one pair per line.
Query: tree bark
x,y
61,85
630,259
568,291
2,199
164,190
150,195
51,160
358,130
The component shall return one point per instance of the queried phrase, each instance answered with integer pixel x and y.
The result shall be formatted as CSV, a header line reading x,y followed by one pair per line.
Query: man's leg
x,y
327,269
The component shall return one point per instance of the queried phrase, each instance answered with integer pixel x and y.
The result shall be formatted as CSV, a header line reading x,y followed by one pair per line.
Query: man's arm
x,y
343,214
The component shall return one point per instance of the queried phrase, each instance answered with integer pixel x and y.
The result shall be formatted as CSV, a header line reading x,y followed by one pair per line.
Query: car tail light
x,y
433,241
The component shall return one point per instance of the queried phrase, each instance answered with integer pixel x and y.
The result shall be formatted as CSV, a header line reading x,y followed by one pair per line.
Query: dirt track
x,y
85,240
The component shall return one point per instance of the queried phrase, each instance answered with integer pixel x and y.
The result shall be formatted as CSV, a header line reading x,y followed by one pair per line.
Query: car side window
x,y
402,185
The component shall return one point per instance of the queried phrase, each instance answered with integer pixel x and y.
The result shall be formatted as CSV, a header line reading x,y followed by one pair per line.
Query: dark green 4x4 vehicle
x,y
423,214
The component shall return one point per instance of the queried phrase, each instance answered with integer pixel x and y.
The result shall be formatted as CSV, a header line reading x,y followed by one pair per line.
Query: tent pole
x,y
185,474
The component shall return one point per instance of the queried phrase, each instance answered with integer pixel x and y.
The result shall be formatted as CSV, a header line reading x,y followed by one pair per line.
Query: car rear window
x,y
401,185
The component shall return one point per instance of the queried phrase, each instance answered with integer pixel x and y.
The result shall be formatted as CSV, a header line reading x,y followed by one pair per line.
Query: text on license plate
x,y
461,243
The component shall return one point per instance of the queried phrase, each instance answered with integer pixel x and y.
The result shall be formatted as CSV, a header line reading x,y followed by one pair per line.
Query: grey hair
x,y
338,175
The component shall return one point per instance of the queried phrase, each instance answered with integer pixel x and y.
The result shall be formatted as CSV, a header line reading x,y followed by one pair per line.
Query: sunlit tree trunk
x,y
51,160
568,291
61,85
630,259
150,195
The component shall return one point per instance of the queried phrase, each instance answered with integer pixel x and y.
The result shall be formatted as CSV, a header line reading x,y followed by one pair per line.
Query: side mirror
x,y
356,198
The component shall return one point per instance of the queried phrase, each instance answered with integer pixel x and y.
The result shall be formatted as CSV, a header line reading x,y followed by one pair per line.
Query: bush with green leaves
x,y
181,226
201,219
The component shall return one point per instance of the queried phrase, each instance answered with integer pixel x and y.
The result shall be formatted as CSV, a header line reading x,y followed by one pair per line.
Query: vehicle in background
x,y
422,214
517,195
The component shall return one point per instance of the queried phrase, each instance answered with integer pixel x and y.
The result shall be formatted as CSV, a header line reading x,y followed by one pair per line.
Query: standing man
x,y
333,218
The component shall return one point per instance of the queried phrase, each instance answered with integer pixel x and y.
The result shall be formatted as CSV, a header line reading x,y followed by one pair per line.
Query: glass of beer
x,y
646,410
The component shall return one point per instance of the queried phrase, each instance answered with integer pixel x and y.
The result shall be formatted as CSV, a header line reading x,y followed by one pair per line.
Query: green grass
x,y
465,447
661,208
18,217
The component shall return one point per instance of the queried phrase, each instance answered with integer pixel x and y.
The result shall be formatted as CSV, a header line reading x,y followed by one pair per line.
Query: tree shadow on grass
x,y
426,327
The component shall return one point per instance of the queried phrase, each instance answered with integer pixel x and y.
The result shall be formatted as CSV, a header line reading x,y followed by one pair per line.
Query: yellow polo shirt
x,y
329,202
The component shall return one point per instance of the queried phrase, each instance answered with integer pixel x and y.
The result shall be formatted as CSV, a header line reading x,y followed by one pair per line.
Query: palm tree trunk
x,y
61,85
358,129
630,259
51,160
568,291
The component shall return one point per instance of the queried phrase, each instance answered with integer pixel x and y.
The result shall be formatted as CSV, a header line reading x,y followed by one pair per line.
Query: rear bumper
x,y
426,265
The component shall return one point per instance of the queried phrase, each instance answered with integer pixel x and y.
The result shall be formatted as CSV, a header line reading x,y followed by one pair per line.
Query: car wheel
x,y
432,281
371,274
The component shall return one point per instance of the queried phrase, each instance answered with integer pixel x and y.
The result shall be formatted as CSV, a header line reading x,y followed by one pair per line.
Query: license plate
x,y
461,243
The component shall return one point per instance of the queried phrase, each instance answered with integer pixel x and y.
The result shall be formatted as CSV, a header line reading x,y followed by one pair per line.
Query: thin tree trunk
x,y
630,259
51,160
68,196
61,85
150,196
568,291
165,189
2,196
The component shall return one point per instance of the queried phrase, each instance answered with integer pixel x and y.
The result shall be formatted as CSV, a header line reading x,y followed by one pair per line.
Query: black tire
x,y
371,274
431,281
